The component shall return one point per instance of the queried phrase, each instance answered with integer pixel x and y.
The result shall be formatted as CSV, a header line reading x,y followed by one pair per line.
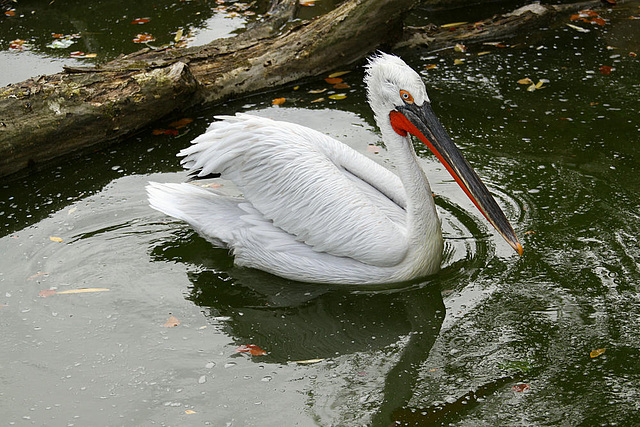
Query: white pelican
x,y
313,209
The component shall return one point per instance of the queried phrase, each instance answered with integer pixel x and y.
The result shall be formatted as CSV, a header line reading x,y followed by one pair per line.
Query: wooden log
x,y
52,116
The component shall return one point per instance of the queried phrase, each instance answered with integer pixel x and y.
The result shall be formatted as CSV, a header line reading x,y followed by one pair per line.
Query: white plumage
x,y
313,209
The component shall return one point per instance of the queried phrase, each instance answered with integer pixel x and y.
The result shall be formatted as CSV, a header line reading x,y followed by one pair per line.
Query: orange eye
x,y
406,96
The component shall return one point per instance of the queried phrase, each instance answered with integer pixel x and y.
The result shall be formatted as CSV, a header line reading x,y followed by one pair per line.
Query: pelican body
x,y
315,210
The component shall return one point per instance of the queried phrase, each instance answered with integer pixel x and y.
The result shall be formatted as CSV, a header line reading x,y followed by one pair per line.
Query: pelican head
x,y
401,105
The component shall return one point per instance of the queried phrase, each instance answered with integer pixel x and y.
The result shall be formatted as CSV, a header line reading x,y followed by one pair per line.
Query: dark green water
x,y
563,162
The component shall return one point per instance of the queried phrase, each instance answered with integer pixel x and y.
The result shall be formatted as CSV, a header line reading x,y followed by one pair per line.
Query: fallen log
x,y
52,116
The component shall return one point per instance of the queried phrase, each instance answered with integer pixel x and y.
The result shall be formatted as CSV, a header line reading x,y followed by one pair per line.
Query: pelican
x,y
315,210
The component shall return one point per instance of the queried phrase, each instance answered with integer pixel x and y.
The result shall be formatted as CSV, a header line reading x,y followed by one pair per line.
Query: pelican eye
x,y
406,97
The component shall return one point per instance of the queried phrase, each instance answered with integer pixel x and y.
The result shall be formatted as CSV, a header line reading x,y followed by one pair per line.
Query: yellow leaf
x,y
82,291
278,101
189,412
296,87
458,61
431,66
483,53
540,84
318,90
460,47
531,88
338,74
597,352
55,239
453,24
525,81
338,96
178,36
317,100
308,362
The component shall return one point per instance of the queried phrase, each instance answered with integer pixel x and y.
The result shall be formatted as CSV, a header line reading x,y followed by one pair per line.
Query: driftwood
x,y
51,116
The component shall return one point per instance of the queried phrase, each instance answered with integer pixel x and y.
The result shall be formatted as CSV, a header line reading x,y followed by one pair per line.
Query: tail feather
x,y
215,216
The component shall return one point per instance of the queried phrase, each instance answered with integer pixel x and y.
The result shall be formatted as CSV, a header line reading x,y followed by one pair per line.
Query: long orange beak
x,y
421,122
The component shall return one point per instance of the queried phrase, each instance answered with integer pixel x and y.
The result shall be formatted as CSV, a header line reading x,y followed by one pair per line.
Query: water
x,y
518,332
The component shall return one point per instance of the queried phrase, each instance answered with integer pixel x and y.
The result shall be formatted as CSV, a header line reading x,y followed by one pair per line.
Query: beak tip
x,y
518,247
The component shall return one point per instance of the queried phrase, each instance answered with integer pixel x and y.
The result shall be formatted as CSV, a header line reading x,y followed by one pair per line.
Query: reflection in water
x,y
295,321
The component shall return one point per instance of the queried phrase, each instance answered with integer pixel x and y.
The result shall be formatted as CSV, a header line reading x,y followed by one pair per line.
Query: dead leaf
x,y
333,80
458,61
338,96
143,38
38,274
459,47
252,349
525,81
82,291
46,293
318,90
179,124
341,86
308,362
55,239
520,388
577,28
597,352
338,74
530,232
318,100
279,101
606,70
141,20
171,322
430,66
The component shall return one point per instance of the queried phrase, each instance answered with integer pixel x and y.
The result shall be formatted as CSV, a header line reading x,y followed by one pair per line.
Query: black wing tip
x,y
194,175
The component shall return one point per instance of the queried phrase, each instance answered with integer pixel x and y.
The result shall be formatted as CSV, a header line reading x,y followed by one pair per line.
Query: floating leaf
x,y
143,38
530,232
318,90
458,61
83,291
178,36
46,293
55,239
190,412
279,101
598,21
430,66
338,74
453,24
577,28
252,349
10,12
520,388
308,3
141,20
525,81
171,322
338,96
308,362
296,87
318,100
171,132
597,352
459,47
606,70
333,80
17,44
38,274
341,86
483,53
633,54
179,124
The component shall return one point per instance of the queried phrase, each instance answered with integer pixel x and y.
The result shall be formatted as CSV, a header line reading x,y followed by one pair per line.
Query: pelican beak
x,y
421,122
